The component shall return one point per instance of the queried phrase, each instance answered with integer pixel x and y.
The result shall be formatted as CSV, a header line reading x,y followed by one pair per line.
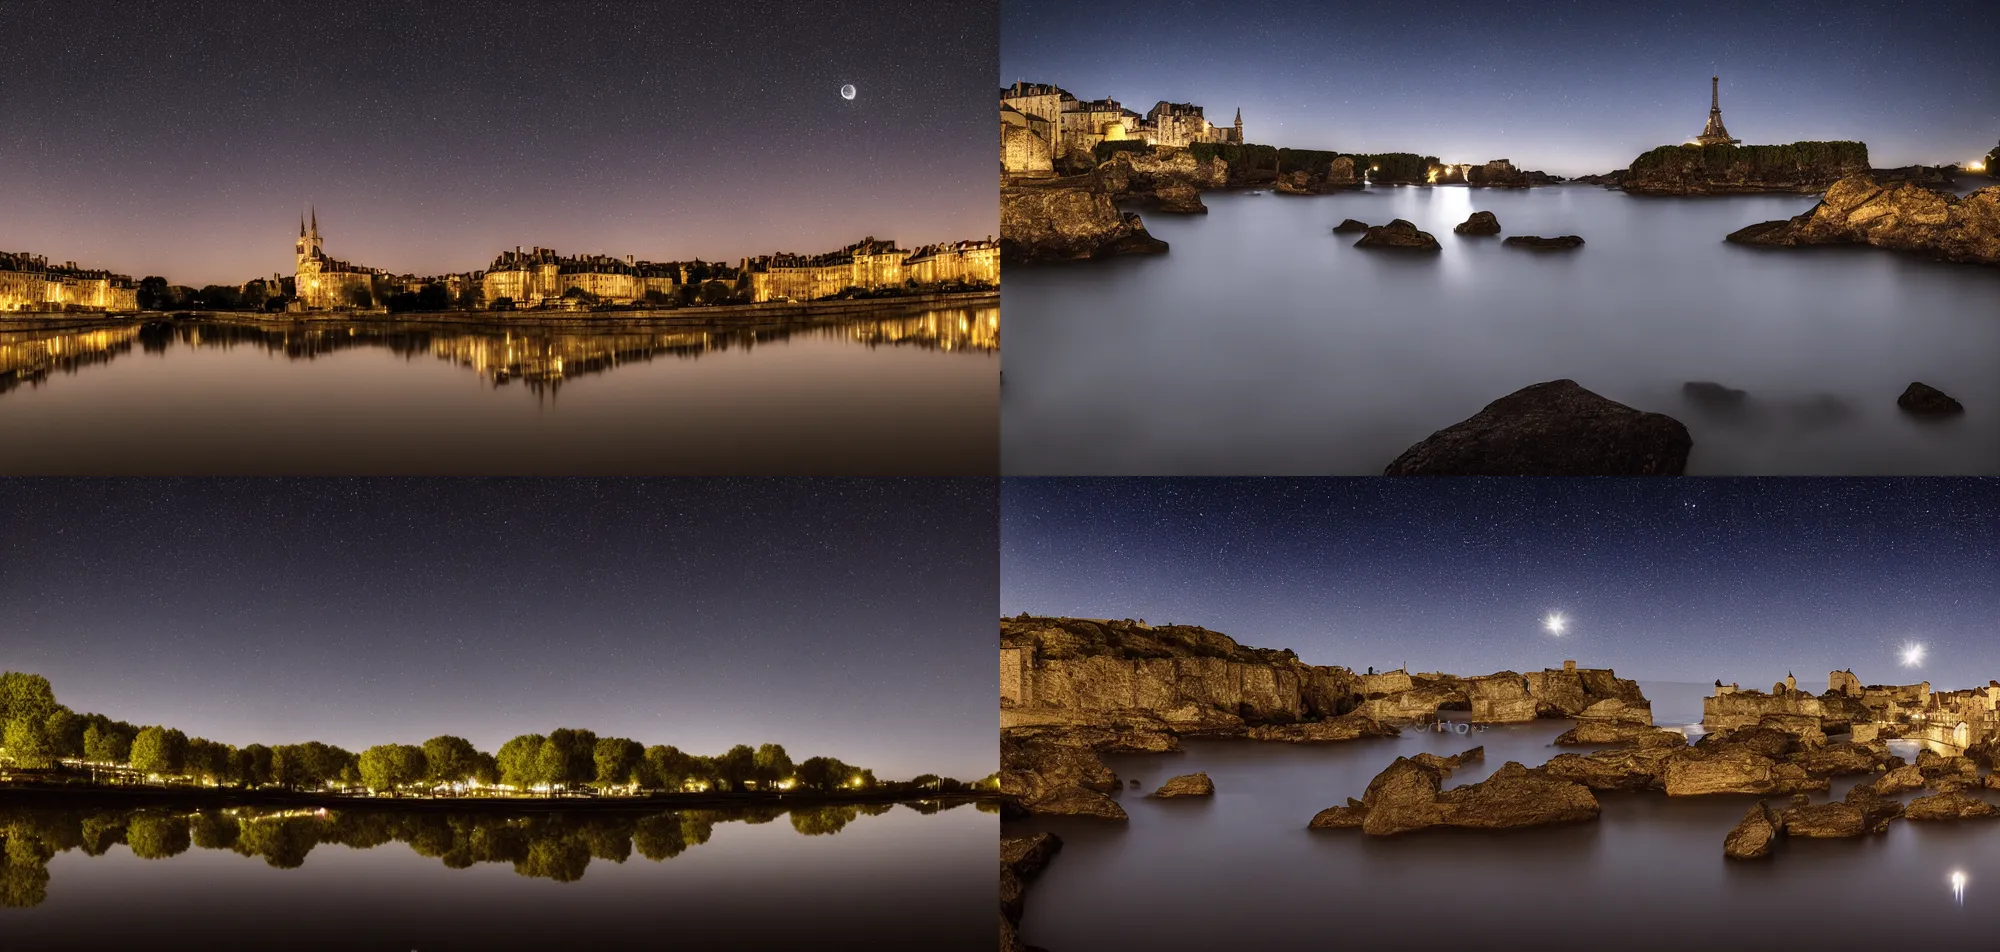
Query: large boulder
x,y
1619,732
1693,772
1453,762
1845,759
1481,223
1539,243
1403,797
1907,217
1628,767
1346,817
1349,225
1948,806
1067,219
1406,796
1398,234
1920,399
1055,775
1187,785
1180,200
1751,839
1352,726
1552,429
1899,780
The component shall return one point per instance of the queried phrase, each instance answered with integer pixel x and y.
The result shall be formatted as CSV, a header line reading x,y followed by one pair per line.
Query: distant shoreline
x,y
100,796
771,313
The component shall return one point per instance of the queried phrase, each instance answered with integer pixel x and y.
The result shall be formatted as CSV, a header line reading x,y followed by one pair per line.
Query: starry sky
x,y
1569,87
185,139
1684,580
847,618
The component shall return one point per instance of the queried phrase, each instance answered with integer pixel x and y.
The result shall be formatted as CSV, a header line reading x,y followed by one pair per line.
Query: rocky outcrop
x,y
1150,175
1179,200
1021,859
1539,243
1187,785
1862,812
1453,762
1899,780
1337,176
1929,176
1626,768
1920,399
1905,217
1751,839
1065,220
1350,726
1619,732
1552,429
1847,759
1695,772
1608,179
1803,167
1948,806
1481,223
1398,234
1406,796
1349,226
1057,774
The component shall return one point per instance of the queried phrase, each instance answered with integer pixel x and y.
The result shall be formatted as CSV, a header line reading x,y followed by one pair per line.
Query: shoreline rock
x,y
1067,220
1406,797
1022,858
1399,234
1555,428
1349,226
1480,223
1752,836
1800,167
1186,785
1904,217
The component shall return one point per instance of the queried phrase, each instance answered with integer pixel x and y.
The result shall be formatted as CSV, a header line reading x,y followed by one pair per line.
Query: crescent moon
x,y
847,91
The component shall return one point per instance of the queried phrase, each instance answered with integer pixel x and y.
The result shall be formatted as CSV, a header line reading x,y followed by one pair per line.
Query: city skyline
x,y
467,129
835,617
1566,88
1743,580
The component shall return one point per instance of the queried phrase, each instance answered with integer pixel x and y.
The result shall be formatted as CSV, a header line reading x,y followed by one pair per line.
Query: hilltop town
x,y
516,280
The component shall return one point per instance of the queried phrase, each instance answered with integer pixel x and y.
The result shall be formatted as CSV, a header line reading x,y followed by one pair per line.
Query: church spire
x,y
315,214
302,226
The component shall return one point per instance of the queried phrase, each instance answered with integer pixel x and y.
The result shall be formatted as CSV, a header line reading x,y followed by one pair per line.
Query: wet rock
x,y
1696,771
1751,839
1838,760
1899,780
1697,170
1515,796
1067,219
1954,784
1906,217
1187,785
1351,726
1825,820
1348,225
1135,783
1346,817
1453,762
1398,234
1180,200
1021,859
1608,179
1481,223
1628,768
1619,732
1552,429
1948,806
1539,243
1582,693
1053,775
1933,765
1763,740
1923,400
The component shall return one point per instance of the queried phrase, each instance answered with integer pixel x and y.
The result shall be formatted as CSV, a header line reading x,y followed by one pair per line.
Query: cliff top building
x,y
1714,133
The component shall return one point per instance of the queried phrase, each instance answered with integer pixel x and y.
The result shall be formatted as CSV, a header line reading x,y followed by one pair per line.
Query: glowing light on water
x,y
1958,886
1912,654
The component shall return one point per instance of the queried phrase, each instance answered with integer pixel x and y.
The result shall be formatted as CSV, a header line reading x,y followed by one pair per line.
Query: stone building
x,y
1025,150
29,283
1042,101
1040,124
955,262
540,277
322,283
870,264
1085,124
1181,124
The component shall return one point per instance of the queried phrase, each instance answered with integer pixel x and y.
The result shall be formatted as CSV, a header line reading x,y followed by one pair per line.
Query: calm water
x,y
911,394
1244,872
844,877
1264,344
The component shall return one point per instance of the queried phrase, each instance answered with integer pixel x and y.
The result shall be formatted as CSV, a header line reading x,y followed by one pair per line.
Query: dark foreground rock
x,y
1180,200
1906,217
1481,223
1398,234
1065,220
1406,796
1348,225
1539,243
1057,775
1751,839
1552,429
1608,179
1921,399
1021,859
1187,785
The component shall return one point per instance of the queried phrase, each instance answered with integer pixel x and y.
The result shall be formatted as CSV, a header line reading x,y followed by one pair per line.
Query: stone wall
x,y
1024,154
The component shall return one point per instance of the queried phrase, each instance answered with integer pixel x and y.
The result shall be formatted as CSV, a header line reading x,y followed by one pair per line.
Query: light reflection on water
x,y
1264,344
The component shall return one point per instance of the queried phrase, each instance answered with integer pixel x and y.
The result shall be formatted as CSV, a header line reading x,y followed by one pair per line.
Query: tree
x,y
64,729
773,766
666,768
520,761
159,750
390,766
360,297
26,695
434,297
253,765
26,740
716,292
108,741
617,758
205,760
569,756
153,293
449,759
824,773
736,767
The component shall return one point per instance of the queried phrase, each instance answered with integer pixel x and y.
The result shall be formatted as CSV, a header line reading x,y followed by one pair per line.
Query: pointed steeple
x,y
1714,133
302,226
315,215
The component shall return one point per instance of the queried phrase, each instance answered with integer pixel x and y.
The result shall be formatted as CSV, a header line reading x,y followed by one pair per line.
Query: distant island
x,y
538,279
46,747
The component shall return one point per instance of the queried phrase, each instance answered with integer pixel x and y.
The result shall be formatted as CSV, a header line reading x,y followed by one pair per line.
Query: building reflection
x,y
542,358
545,845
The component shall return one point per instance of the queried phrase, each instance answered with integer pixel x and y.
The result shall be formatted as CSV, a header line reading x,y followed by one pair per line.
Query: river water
x,y
878,876
1262,343
1242,870
911,393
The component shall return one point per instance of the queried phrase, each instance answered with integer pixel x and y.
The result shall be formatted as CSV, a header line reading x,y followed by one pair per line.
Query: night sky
x,y
1566,87
1667,580
185,139
847,618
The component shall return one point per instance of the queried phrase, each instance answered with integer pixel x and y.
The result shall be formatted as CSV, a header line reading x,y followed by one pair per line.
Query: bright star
x,y
1913,654
1555,624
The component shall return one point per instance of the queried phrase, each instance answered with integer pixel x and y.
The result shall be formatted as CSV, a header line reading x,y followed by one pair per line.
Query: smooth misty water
x,y
846,877
910,394
1264,344
1243,871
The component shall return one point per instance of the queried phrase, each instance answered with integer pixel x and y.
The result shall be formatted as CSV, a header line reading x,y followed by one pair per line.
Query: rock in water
x,y
1187,785
1619,732
1711,395
1899,780
1340,818
1751,839
1021,858
1180,200
1515,796
1906,217
1552,429
1067,219
1403,797
1349,225
1350,726
1948,806
1538,243
1481,223
1925,400
1398,234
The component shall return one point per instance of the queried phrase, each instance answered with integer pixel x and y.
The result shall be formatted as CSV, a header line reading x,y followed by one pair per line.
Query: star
x,y
1555,623
1913,654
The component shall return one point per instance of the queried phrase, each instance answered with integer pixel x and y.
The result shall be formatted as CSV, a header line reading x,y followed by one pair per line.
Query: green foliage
x,y
772,765
1752,161
1403,167
569,756
434,297
205,760
1103,151
391,766
107,742
617,759
666,768
736,767
824,774
157,836
449,759
1993,162
26,743
253,765
159,750
26,696
520,761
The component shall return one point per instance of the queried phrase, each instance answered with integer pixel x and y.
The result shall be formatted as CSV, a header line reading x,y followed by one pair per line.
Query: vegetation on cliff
x,y
1799,166
47,740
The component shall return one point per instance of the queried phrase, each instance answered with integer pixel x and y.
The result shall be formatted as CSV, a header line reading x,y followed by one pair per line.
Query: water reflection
x,y
540,357
559,846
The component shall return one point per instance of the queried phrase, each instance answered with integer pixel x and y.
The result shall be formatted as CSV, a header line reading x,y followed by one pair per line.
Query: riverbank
x,y
88,796
729,315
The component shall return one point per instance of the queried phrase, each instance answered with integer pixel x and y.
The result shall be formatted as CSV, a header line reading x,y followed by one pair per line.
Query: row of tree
x,y
37,733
